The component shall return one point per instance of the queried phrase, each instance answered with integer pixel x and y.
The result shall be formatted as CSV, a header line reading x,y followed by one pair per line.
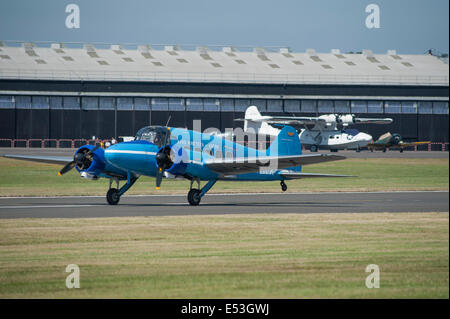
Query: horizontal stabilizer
x,y
254,164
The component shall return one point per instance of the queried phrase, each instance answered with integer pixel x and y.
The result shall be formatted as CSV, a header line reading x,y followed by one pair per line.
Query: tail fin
x,y
286,143
253,123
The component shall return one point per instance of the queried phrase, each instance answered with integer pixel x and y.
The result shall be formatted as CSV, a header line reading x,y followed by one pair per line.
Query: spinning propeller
x,y
164,160
396,139
78,159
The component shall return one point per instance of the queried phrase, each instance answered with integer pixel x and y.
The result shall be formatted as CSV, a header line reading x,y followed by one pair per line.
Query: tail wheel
x,y
194,197
113,196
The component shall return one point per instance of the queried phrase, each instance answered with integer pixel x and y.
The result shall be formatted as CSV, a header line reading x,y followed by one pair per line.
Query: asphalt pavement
x,y
213,204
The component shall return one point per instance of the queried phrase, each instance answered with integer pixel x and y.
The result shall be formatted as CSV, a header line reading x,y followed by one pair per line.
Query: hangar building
x,y
72,91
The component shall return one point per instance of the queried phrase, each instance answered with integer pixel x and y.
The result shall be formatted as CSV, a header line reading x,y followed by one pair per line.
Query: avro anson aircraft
x,y
392,141
179,153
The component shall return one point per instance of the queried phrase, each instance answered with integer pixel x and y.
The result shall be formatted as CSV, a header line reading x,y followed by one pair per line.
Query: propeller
x,y
396,139
78,159
339,124
163,160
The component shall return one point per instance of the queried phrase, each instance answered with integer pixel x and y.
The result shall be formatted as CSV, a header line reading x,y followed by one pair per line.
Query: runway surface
x,y
349,154
212,204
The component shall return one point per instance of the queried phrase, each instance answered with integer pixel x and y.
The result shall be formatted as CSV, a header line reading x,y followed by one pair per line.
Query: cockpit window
x,y
154,134
352,132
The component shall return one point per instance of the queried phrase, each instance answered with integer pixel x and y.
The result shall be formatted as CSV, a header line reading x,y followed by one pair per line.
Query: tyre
x,y
113,196
194,197
313,148
283,186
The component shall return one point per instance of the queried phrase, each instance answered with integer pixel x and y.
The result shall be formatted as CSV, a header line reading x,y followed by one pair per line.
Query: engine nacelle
x,y
183,164
91,166
180,159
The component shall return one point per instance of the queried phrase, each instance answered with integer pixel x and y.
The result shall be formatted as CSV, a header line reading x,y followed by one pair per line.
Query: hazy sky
x,y
409,26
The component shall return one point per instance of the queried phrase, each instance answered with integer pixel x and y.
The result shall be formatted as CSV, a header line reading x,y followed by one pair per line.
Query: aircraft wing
x,y
42,159
406,144
401,144
255,164
294,121
362,120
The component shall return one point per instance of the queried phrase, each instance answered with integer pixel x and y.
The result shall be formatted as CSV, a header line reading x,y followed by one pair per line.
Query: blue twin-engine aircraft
x,y
180,153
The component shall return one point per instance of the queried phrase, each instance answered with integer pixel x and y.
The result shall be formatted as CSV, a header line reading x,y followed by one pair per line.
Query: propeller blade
x,y
159,176
92,151
66,168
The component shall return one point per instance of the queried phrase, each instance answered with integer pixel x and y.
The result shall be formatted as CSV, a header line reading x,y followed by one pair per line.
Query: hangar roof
x,y
170,63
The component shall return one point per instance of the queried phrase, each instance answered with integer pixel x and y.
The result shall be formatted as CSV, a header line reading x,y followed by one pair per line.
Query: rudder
x,y
287,142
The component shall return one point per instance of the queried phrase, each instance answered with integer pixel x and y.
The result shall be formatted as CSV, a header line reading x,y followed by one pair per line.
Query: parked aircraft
x,y
392,141
168,152
325,131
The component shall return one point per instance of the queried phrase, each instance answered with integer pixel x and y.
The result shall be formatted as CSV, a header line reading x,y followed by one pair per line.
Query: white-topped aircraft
x,y
326,131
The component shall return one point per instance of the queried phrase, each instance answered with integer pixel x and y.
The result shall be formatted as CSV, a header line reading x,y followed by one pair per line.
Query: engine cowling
x,y
90,166
172,159
396,139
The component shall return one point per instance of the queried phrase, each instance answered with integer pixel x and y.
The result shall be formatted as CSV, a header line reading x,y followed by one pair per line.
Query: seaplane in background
x,y
326,131
392,141
161,151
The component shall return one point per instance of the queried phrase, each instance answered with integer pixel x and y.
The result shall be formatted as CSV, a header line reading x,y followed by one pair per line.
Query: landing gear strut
x,y
283,186
113,195
195,194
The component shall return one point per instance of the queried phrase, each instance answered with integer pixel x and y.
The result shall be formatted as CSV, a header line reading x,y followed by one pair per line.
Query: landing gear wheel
x,y
401,150
313,148
194,197
113,196
283,186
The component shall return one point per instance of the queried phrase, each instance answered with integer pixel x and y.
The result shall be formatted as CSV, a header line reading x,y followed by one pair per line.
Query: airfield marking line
x,y
223,194
70,206
48,206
